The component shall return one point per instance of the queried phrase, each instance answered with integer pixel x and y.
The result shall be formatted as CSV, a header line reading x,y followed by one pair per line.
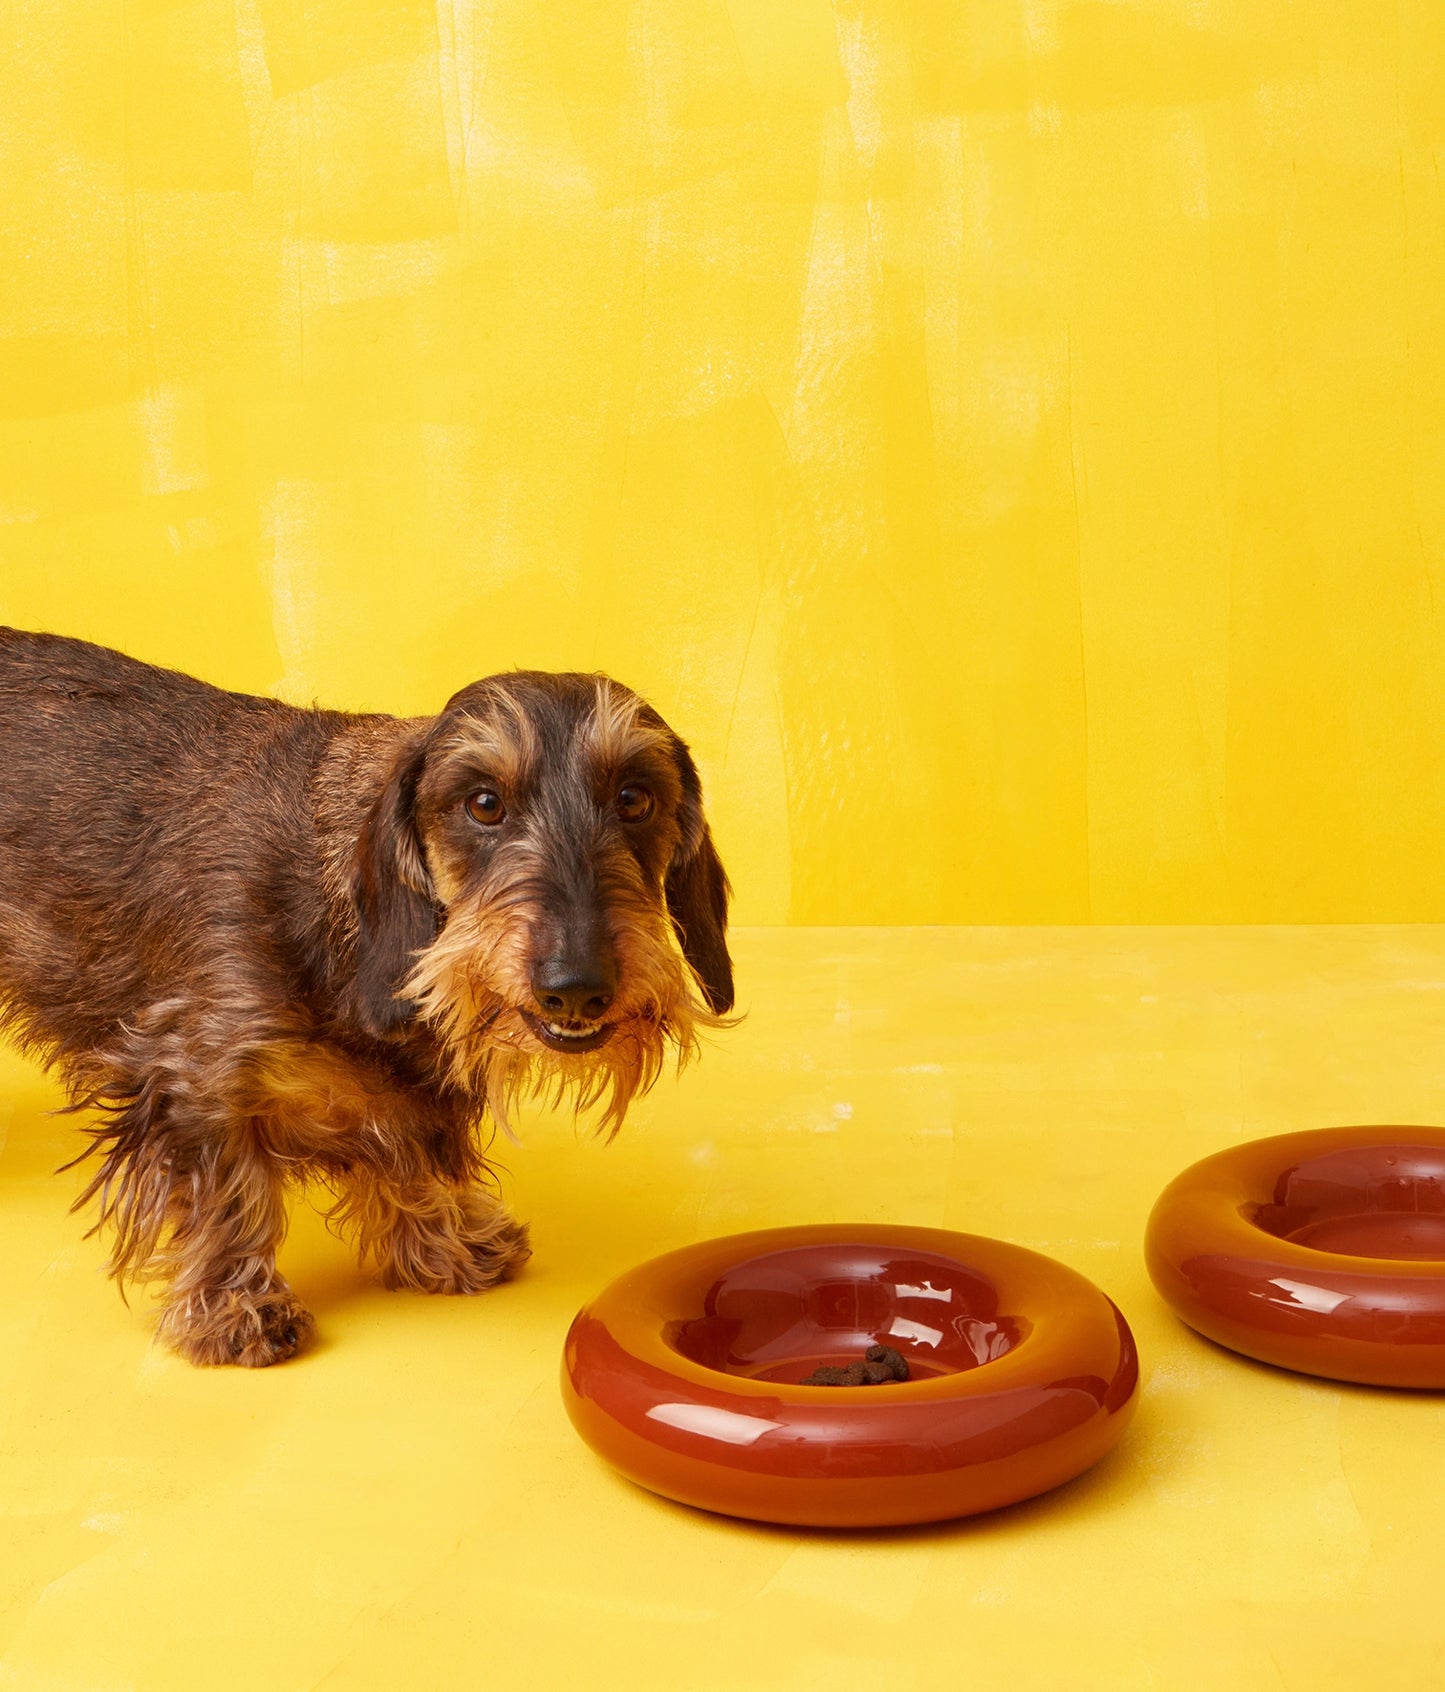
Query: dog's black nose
x,y
575,989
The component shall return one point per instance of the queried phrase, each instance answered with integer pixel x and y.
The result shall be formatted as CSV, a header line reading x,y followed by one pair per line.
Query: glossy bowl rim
x,y
1203,1203
1051,1340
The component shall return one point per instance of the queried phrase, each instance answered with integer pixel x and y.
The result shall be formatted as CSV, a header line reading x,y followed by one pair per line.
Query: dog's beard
x,y
606,1080
470,985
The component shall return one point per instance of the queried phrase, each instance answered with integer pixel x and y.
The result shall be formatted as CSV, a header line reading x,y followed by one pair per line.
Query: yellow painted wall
x,y
1008,436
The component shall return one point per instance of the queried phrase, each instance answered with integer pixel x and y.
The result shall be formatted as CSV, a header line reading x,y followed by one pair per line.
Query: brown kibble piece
x,y
879,1364
826,1375
896,1363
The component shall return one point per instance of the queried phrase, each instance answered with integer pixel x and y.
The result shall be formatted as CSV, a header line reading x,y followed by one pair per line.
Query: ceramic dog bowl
x,y
686,1375
1322,1252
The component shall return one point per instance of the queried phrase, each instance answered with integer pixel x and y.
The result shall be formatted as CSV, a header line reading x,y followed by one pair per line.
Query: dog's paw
x,y
485,1247
233,1328
498,1252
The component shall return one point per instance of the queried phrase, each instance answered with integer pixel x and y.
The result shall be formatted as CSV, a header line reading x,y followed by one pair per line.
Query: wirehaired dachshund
x,y
264,945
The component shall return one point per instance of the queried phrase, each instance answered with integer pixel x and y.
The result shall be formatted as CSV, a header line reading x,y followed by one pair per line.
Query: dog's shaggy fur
x,y
268,944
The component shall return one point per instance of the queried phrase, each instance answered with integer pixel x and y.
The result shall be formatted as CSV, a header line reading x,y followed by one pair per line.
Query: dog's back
x,y
124,811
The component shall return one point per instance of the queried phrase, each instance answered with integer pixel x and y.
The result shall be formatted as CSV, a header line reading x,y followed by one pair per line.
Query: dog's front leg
x,y
225,1302
434,1235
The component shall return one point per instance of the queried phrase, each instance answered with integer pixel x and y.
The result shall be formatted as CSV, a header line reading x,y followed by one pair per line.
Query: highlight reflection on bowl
x,y
780,1316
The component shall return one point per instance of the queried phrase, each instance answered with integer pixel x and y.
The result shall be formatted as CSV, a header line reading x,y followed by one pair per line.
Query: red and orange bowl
x,y
686,1375
1322,1252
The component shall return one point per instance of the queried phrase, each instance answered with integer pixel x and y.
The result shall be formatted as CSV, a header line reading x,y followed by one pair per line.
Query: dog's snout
x,y
576,988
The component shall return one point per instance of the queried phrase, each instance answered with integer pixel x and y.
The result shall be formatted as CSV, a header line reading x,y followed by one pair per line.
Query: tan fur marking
x,y
615,733
502,745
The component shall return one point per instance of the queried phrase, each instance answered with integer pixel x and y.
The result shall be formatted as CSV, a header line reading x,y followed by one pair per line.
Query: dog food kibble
x,y
878,1364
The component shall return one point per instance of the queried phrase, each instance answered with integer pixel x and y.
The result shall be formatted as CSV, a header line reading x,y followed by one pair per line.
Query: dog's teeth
x,y
573,1033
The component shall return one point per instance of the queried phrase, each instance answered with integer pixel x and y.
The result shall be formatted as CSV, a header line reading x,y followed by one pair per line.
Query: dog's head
x,y
537,882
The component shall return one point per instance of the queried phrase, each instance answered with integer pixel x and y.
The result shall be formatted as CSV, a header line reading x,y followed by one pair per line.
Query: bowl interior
x,y
1362,1201
779,1316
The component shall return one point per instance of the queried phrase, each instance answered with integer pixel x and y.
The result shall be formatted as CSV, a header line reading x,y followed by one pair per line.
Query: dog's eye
x,y
634,803
486,807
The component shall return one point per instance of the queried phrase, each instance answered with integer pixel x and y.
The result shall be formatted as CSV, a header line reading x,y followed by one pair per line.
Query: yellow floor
x,y
408,1507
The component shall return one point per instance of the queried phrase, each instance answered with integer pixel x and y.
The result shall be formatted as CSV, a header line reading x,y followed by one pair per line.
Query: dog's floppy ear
x,y
697,892
396,904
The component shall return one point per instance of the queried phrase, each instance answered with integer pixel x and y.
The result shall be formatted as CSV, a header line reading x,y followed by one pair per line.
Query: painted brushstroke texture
x,y
1010,438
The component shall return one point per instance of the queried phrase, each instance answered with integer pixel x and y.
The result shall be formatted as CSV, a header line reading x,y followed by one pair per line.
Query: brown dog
x,y
272,944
